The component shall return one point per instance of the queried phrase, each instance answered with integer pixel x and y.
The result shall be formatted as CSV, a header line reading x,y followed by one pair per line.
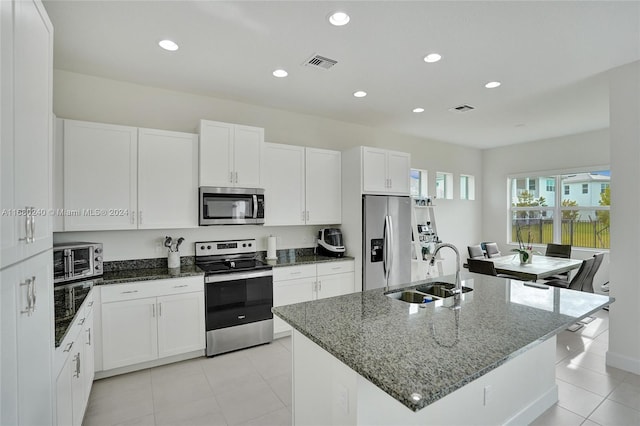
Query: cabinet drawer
x,y
293,272
152,288
340,267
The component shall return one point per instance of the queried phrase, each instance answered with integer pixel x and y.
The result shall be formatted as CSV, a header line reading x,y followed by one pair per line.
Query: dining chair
x,y
562,251
475,252
492,250
579,279
588,284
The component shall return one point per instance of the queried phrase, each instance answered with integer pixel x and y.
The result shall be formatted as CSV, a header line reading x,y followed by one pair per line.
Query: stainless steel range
x,y
238,295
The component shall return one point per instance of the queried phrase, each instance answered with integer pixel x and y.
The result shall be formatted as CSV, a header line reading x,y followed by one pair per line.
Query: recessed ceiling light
x,y
280,73
492,84
339,19
432,57
418,110
168,45
360,94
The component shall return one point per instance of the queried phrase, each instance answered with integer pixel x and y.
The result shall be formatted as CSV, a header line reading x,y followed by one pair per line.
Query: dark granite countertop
x,y
67,300
391,343
124,271
294,257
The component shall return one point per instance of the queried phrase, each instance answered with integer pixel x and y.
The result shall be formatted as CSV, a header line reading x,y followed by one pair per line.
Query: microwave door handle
x,y
255,206
67,261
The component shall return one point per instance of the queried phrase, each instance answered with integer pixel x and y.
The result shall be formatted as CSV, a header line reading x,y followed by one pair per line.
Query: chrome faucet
x,y
458,284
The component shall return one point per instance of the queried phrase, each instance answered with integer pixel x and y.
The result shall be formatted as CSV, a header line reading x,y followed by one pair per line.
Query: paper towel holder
x,y
271,248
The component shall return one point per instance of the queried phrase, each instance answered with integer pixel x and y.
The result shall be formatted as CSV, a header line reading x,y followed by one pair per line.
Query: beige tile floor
x,y
253,387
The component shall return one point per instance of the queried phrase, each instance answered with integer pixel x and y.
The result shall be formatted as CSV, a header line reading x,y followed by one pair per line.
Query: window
x,y
581,220
551,185
467,187
532,184
444,185
418,183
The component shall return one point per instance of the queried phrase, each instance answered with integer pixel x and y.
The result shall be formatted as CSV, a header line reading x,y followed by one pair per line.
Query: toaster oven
x,y
76,260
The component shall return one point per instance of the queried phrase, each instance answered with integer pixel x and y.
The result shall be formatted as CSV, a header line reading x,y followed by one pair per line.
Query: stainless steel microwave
x,y
231,206
77,260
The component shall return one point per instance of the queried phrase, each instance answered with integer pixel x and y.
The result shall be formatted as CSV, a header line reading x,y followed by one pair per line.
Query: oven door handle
x,y
236,276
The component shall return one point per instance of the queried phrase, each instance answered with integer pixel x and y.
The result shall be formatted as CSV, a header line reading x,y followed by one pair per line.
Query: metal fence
x,y
578,233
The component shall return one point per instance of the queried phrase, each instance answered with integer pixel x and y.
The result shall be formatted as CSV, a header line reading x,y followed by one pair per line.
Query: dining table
x,y
540,267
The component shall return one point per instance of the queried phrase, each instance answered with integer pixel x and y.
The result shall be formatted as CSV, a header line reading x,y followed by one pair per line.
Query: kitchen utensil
x,y
180,240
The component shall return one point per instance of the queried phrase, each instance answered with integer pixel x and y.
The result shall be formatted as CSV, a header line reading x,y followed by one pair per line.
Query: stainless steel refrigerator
x,y
386,254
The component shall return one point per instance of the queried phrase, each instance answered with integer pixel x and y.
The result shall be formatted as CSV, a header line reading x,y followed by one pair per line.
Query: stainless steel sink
x,y
411,296
440,289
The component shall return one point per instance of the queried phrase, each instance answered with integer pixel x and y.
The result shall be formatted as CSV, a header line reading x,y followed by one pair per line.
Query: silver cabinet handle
x,y
133,217
153,310
390,183
307,215
230,177
160,309
68,348
129,291
81,322
27,309
33,293
89,337
27,228
295,273
181,286
236,177
140,217
302,215
33,226
77,360
241,316
319,285
90,304
335,268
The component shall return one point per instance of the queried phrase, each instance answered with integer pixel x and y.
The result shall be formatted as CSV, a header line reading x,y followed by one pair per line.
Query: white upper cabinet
x,y
100,176
26,130
167,179
302,185
385,171
283,178
323,171
230,154
119,177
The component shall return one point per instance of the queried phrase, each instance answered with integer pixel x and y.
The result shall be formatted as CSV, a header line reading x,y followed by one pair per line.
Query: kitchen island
x,y
366,358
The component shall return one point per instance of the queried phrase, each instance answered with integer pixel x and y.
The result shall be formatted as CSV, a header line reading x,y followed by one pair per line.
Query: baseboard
x,y
623,362
155,363
536,408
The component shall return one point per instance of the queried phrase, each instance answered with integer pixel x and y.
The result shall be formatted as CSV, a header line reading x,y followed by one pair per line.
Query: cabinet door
x,y
288,292
88,367
398,169
180,323
335,285
374,170
77,380
216,153
283,179
247,149
64,395
100,179
129,332
33,120
323,186
167,179
35,341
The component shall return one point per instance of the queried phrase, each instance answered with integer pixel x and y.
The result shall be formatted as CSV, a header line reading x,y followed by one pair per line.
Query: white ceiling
x,y
549,56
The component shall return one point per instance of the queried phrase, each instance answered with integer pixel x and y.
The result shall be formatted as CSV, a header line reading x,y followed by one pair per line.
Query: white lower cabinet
x,y
149,320
75,379
295,284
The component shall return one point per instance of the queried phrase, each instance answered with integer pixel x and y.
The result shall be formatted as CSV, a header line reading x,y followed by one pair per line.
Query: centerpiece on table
x,y
524,250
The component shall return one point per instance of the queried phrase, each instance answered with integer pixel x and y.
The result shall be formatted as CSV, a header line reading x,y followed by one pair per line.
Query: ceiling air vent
x,y
317,61
462,108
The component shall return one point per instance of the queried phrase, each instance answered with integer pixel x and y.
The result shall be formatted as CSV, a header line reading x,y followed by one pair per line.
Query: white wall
x,y
624,326
90,98
580,152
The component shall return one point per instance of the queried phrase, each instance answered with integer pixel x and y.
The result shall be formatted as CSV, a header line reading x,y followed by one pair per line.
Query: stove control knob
x,y
201,247
98,250
98,259
98,267
208,247
249,244
244,245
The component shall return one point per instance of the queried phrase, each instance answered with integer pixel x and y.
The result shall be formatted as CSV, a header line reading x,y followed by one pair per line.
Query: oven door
x,y
79,262
230,206
238,298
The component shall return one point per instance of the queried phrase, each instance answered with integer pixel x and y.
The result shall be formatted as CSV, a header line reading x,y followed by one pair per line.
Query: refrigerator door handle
x,y
390,243
384,250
